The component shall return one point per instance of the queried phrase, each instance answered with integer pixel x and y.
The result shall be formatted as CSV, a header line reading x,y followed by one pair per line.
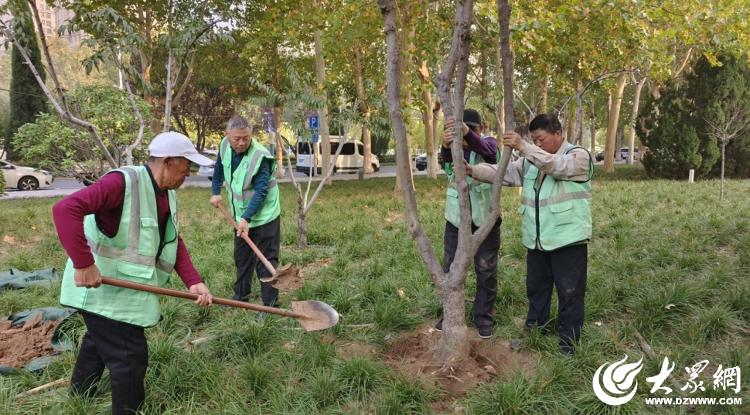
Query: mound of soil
x,y
289,279
21,344
412,355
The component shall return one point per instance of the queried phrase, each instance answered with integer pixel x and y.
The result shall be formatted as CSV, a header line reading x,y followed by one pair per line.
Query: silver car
x,y
25,178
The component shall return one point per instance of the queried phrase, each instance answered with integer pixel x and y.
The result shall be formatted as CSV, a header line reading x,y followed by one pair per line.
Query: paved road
x,y
64,186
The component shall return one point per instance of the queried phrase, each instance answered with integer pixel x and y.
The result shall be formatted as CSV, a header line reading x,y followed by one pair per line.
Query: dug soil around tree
x,y
488,361
21,344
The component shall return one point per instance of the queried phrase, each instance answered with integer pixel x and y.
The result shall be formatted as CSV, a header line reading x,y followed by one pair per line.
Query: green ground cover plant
x,y
667,261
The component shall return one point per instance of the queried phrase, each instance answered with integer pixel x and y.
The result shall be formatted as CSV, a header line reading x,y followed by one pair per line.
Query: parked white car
x,y
25,178
208,171
351,157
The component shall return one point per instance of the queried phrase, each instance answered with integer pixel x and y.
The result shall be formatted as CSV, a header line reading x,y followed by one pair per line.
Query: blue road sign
x,y
315,137
313,122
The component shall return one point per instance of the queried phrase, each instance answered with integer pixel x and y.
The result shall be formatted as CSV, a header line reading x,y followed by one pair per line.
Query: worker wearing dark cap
x,y
477,149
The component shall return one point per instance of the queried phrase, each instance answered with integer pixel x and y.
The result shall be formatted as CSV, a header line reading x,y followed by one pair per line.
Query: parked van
x,y
351,158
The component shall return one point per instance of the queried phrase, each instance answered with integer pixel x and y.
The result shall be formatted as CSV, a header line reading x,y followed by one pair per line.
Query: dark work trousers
x,y
121,348
565,268
485,266
268,239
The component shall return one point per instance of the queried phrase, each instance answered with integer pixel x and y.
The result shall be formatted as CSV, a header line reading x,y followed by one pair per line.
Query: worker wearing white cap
x,y
125,226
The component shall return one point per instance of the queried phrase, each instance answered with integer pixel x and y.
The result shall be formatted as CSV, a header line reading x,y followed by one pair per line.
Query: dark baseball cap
x,y
472,118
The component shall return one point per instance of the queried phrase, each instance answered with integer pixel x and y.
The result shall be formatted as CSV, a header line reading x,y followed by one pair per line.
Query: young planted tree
x,y
734,123
304,200
27,98
452,346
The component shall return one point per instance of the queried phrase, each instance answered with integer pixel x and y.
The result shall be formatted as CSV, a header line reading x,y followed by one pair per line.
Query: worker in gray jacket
x,y
556,222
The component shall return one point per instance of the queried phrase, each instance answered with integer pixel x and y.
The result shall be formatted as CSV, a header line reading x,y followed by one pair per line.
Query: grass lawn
x,y
666,260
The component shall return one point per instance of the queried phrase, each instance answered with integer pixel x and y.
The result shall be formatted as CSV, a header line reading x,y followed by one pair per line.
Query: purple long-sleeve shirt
x,y
485,147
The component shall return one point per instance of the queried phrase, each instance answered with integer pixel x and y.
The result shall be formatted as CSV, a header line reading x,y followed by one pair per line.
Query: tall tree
x,y
27,98
451,86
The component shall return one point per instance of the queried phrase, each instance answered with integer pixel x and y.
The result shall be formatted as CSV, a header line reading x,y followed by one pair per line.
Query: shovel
x,y
285,272
311,315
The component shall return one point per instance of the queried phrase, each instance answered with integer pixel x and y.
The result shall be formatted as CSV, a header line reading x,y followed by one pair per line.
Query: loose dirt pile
x,y
289,280
488,359
21,344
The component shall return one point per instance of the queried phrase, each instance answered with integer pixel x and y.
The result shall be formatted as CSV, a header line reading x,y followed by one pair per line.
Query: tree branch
x,y
65,114
47,56
388,10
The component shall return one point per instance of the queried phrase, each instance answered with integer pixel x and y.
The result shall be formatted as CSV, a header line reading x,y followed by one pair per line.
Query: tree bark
x,y
544,92
168,93
320,77
593,129
614,118
570,125
427,118
301,225
634,116
364,109
721,191
277,110
432,163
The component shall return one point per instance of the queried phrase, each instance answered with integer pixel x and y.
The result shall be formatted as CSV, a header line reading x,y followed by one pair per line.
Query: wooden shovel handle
x,y
247,239
184,294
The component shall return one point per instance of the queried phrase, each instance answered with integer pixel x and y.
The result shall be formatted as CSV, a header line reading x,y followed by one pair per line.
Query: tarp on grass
x,y
17,279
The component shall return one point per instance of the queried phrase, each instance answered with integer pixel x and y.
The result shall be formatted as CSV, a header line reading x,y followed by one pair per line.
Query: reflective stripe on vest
x,y
480,196
557,198
130,253
555,213
240,187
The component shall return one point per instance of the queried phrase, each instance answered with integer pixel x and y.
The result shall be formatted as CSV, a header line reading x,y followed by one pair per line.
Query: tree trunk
x,y
633,116
544,93
427,120
447,349
429,139
570,125
320,76
721,191
168,93
366,136
277,110
500,109
614,119
452,346
593,129
301,224
432,162
406,46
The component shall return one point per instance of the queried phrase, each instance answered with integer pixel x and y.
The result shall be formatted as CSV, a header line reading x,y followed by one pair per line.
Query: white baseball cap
x,y
174,144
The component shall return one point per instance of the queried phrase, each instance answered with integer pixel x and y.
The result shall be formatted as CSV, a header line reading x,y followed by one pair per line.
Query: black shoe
x,y
485,332
439,325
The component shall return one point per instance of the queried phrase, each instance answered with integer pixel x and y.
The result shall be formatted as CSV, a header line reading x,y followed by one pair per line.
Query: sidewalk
x,y
193,181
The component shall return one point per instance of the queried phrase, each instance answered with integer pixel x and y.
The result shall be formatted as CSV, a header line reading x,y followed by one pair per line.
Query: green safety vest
x,y
480,196
240,186
555,213
129,255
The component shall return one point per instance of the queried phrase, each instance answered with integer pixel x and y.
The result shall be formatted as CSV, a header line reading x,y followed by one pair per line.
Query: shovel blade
x,y
317,315
287,272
